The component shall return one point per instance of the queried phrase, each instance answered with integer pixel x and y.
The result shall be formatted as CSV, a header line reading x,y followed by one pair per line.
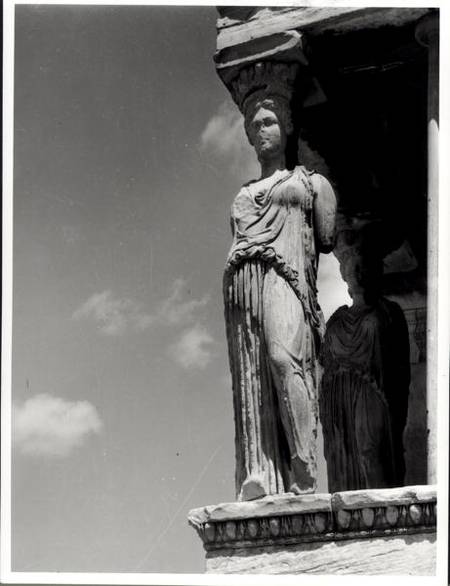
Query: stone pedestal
x,y
383,531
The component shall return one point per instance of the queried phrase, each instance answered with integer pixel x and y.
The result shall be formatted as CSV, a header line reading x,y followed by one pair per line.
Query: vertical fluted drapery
x,y
274,327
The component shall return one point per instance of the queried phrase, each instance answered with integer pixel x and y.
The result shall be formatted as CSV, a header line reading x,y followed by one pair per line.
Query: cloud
x,y
174,310
224,138
332,289
193,349
113,315
44,425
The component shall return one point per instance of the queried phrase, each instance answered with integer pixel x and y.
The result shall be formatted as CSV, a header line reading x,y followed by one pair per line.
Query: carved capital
x,y
262,80
273,64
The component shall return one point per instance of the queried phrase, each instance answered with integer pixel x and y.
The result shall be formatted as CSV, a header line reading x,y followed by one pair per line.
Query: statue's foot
x,y
294,488
253,488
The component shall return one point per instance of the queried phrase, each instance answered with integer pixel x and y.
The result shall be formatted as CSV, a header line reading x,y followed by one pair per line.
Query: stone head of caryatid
x,y
268,123
361,263
263,92
363,274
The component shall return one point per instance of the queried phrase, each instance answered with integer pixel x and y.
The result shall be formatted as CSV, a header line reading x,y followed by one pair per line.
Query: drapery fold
x,y
364,396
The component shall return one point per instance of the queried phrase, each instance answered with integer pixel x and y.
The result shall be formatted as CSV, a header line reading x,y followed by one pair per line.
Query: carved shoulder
x,y
336,317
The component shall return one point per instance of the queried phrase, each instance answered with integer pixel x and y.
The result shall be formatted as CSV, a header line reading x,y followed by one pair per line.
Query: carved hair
x,y
269,85
279,105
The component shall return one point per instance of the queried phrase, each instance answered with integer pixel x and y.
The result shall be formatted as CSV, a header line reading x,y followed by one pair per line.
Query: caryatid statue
x,y
280,224
366,373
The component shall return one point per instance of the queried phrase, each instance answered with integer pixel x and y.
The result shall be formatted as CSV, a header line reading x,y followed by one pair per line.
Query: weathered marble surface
x,y
280,222
402,555
238,28
287,504
405,495
365,531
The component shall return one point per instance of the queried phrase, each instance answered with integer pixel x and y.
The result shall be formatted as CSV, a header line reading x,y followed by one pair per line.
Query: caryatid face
x,y
266,134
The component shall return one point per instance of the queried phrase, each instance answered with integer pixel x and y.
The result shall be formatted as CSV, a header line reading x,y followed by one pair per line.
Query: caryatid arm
x,y
324,213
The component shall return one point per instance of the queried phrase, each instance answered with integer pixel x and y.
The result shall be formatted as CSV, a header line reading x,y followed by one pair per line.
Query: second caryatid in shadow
x,y
280,224
365,384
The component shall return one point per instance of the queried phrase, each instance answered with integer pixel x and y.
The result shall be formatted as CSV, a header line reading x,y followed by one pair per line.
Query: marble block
x,y
378,531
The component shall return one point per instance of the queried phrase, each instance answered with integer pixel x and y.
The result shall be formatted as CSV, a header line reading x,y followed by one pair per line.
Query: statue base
x,y
378,531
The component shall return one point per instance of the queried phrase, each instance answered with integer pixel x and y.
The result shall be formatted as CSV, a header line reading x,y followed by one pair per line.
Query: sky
x,y
128,152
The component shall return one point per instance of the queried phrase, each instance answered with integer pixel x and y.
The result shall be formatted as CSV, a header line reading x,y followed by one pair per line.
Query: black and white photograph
x,y
225,325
